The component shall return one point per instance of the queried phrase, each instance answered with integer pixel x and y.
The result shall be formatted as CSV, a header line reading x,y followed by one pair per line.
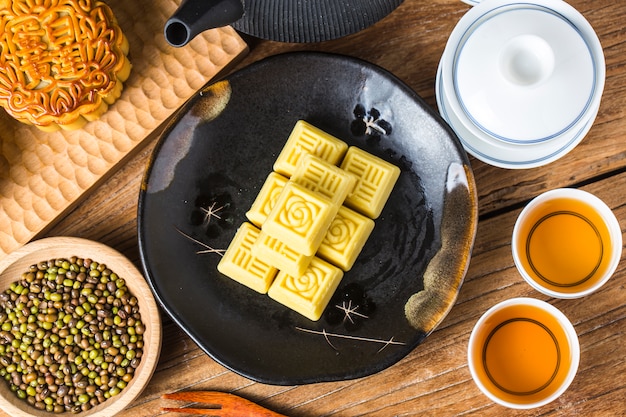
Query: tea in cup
x,y
566,243
523,353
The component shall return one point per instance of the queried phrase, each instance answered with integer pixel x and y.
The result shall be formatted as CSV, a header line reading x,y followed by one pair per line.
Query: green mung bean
x,y
70,335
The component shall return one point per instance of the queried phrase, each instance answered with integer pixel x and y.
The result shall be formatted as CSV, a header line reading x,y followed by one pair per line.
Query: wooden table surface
x,y
434,378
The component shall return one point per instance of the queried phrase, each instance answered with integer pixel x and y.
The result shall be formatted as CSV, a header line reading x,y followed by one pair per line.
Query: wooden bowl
x,y
11,268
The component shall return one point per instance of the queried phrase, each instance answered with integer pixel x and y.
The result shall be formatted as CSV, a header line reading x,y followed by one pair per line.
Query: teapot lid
x,y
310,20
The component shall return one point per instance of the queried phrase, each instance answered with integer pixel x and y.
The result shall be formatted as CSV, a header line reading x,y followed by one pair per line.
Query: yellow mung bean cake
x,y
280,255
309,293
308,139
265,200
310,220
345,238
324,178
300,218
241,265
376,179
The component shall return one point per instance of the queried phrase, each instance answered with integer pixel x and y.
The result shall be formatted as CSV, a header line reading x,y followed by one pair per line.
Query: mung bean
x,y
69,330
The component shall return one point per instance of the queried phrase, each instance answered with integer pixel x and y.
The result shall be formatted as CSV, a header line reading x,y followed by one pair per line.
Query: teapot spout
x,y
195,16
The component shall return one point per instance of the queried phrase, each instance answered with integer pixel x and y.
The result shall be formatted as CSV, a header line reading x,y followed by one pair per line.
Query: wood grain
x,y
44,174
433,380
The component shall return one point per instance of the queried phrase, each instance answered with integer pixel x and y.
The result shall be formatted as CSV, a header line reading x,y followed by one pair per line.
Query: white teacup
x,y
523,353
566,243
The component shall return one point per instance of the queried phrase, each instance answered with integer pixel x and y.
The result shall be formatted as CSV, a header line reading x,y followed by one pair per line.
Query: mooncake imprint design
x,y
345,238
266,199
300,218
63,61
271,201
376,179
307,284
309,293
241,265
307,139
339,232
281,256
298,214
321,177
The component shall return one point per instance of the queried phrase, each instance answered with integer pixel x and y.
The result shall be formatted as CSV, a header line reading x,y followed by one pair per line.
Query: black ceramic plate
x,y
310,20
216,155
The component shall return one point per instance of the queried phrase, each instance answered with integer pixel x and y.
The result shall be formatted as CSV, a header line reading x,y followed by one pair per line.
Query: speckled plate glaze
x,y
208,168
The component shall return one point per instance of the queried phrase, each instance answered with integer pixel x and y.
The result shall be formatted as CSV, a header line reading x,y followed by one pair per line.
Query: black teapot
x,y
279,20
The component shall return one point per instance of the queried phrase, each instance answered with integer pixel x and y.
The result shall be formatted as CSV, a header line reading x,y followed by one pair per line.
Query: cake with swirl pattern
x,y
63,62
301,238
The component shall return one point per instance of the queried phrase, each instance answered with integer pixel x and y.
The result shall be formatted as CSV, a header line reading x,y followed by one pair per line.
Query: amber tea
x,y
564,243
523,353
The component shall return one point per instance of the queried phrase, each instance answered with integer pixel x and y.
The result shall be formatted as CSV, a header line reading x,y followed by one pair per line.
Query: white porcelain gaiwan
x,y
505,154
524,78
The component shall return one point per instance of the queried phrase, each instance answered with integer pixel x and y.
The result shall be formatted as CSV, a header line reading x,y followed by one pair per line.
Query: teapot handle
x,y
195,16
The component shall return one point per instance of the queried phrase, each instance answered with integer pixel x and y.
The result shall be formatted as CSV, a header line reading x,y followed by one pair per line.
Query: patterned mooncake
x,y
63,61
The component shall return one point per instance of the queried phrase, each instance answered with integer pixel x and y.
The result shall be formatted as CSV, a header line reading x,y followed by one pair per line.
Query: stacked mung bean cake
x,y
310,220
